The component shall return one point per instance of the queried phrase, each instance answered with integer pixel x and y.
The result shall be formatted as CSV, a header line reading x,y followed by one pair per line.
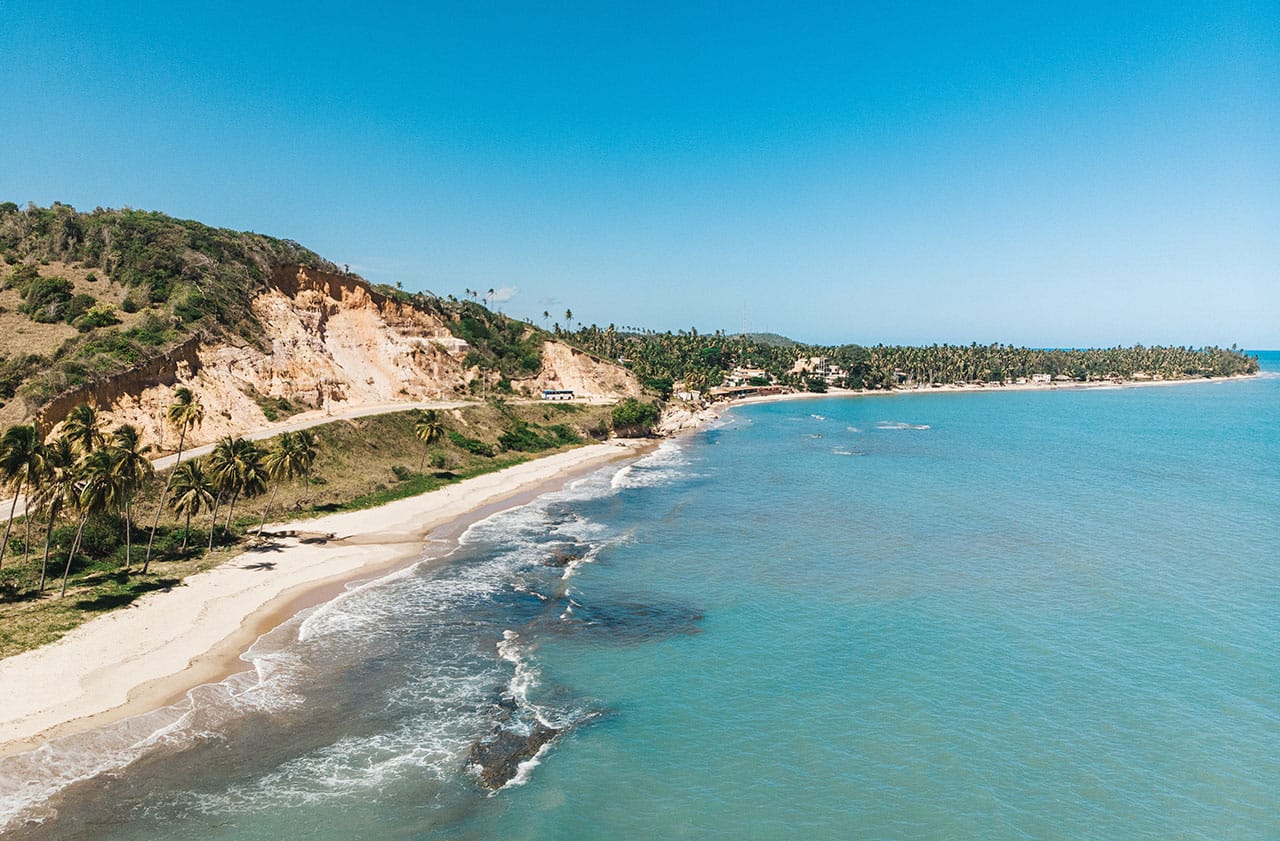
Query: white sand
x,y
146,655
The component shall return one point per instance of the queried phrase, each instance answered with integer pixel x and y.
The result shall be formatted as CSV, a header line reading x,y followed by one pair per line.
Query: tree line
x,y
89,477
702,361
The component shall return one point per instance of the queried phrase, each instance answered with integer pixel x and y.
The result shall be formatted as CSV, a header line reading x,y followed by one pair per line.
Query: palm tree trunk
x,y
128,541
186,534
48,532
164,496
231,510
26,540
213,520
267,510
75,544
9,525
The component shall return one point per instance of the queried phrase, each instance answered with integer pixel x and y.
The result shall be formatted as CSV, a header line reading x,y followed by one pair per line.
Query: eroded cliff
x,y
323,341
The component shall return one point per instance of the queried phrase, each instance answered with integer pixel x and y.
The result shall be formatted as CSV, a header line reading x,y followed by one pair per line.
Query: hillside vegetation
x,y
89,296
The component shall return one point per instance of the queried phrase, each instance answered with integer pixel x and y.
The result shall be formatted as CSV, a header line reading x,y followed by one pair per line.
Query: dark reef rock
x,y
629,622
562,558
497,757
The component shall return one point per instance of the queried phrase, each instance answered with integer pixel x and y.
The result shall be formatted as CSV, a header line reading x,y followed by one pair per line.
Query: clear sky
x,y
1090,174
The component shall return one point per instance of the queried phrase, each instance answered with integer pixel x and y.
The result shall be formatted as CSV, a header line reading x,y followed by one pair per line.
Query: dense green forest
x,y
702,360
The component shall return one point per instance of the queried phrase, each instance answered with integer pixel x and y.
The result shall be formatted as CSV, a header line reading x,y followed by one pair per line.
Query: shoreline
x,y
79,683
953,388
151,654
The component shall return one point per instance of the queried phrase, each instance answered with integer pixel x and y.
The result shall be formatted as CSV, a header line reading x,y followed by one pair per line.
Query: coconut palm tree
x,y
132,469
291,456
428,429
237,471
56,490
282,462
83,428
192,493
96,490
184,413
21,463
308,449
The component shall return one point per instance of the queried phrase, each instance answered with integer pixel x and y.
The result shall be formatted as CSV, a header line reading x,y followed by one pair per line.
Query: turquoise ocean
x,y
996,615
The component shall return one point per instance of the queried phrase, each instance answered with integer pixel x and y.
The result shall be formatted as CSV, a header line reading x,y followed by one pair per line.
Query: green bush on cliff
x,y
633,418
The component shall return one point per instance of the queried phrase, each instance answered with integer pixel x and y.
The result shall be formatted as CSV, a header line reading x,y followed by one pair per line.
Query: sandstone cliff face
x,y
329,342
589,377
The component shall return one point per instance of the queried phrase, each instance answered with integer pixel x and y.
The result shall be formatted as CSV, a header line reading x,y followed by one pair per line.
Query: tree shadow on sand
x,y
120,598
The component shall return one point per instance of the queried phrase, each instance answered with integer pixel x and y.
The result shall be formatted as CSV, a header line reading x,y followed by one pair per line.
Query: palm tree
x,y
281,463
21,462
236,469
132,469
191,494
568,318
308,448
429,429
184,413
83,428
96,490
57,489
292,455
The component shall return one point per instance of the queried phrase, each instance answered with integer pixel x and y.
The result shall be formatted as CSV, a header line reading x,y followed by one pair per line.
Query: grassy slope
x,y
354,469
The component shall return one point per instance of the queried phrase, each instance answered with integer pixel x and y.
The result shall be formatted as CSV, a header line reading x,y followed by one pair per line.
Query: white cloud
x,y
505,293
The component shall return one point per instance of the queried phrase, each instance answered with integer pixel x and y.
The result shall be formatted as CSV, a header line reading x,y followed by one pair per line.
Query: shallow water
x,y
1021,615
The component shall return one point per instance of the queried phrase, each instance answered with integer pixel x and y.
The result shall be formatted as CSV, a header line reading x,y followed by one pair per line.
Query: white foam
x,y
525,769
661,467
900,425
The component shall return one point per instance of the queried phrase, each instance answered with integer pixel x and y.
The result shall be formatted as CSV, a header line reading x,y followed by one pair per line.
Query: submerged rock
x,y
629,622
497,757
562,558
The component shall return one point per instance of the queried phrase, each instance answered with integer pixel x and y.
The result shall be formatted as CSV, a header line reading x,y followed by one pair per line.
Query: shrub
x,y
662,385
632,418
564,434
129,305
403,474
524,438
78,306
471,445
47,299
100,315
22,275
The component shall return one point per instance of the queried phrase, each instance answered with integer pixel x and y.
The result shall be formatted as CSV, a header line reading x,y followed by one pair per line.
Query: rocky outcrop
x,y
497,758
679,416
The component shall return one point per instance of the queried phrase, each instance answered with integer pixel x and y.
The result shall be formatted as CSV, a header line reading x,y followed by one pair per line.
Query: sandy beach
x,y
148,655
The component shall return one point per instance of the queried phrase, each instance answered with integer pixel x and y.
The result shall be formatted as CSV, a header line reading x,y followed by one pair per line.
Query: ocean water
x,y
1023,615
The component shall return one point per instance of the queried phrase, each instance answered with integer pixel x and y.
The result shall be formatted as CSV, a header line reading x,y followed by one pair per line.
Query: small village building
x,y
744,376
734,392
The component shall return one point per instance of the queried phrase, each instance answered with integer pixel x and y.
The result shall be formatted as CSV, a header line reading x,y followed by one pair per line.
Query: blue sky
x,y
1081,175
